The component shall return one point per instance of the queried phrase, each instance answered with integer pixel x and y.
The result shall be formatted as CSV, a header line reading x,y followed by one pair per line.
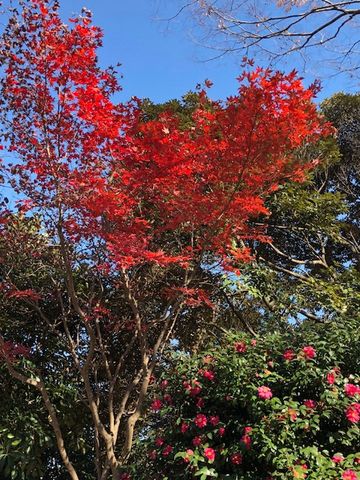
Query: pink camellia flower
x,y
209,375
200,420
309,352
349,475
248,430
156,405
214,420
288,355
159,442
353,413
330,378
189,454
264,393
209,453
253,342
236,458
184,427
351,390
240,347
221,431
197,441
310,404
338,458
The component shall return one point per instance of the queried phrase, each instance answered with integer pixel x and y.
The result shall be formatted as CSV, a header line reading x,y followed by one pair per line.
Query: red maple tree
x,y
118,195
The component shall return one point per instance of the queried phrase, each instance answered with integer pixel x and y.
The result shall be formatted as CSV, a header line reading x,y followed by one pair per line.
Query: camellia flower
x,y
310,404
156,405
349,475
338,458
331,377
189,454
195,389
209,453
288,355
209,375
264,393
197,441
168,398
200,420
309,352
184,427
214,420
253,342
167,450
221,431
351,390
240,347
246,441
236,458
353,413
159,442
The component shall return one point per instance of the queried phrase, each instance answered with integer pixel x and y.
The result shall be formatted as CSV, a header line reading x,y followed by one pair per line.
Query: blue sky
x,y
159,59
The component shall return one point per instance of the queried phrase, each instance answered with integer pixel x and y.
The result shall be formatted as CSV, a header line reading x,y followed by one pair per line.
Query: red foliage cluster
x,y
99,171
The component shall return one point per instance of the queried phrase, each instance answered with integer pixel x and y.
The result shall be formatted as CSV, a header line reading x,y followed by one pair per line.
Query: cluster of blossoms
x,y
228,407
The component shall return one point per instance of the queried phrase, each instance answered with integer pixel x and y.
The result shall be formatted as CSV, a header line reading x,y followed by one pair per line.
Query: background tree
x,y
309,34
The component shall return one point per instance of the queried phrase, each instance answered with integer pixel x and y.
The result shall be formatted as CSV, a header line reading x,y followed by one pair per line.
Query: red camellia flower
x,y
236,458
168,399
331,377
159,442
221,431
349,475
353,413
209,375
214,420
167,450
125,476
288,355
264,393
351,390
240,347
156,405
197,441
310,404
338,458
209,453
184,427
309,352
200,420
246,440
